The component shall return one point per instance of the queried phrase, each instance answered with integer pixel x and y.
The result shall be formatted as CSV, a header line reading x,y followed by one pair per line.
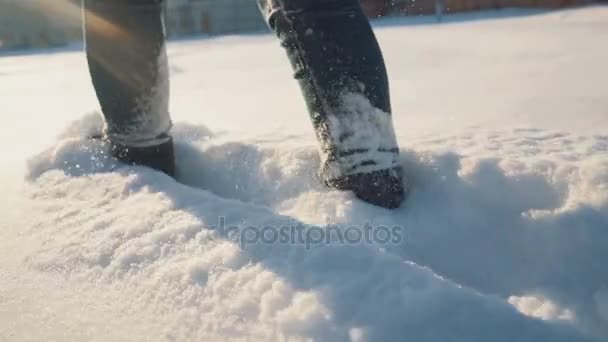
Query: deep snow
x,y
504,129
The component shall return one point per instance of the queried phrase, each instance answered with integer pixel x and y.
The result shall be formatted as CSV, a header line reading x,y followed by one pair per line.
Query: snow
x,y
504,130
540,308
362,127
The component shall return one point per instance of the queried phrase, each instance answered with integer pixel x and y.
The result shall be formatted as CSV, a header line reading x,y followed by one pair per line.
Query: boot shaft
x,y
125,45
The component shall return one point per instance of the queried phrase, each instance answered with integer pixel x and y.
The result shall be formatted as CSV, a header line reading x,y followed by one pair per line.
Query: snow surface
x,y
503,124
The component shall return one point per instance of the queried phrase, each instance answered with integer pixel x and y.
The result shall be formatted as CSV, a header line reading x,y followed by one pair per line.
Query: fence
x,y
39,23
212,16
43,23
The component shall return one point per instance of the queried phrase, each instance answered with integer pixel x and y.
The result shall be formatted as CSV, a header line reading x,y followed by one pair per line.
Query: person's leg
x,y
125,45
339,66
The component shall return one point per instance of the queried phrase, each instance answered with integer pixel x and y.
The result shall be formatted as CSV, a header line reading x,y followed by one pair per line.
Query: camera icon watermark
x,y
309,236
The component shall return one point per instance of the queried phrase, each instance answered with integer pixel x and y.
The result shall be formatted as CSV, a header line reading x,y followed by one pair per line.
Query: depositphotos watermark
x,y
310,235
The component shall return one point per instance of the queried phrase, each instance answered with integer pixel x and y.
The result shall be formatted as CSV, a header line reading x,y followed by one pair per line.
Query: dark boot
x,y
383,188
339,66
125,45
160,157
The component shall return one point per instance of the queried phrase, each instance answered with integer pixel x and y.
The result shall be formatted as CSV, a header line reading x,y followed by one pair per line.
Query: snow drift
x,y
478,224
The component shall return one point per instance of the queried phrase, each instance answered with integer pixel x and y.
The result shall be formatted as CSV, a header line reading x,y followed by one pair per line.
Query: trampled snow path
x,y
505,136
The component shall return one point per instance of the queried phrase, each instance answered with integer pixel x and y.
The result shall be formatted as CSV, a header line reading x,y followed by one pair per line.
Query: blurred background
x,y
47,23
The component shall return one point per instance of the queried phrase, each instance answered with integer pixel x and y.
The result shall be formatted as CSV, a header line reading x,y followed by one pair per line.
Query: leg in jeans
x,y
125,45
339,66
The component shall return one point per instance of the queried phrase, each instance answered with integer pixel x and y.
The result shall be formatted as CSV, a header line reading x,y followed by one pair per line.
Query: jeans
x,y
330,44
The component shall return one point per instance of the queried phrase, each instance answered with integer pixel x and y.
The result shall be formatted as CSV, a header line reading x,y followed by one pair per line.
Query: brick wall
x,y
375,8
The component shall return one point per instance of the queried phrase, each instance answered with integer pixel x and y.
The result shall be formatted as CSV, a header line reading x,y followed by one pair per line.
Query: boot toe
x,y
381,188
158,157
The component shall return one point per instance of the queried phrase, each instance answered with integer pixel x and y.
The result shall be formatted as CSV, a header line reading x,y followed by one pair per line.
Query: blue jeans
x,y
330,44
